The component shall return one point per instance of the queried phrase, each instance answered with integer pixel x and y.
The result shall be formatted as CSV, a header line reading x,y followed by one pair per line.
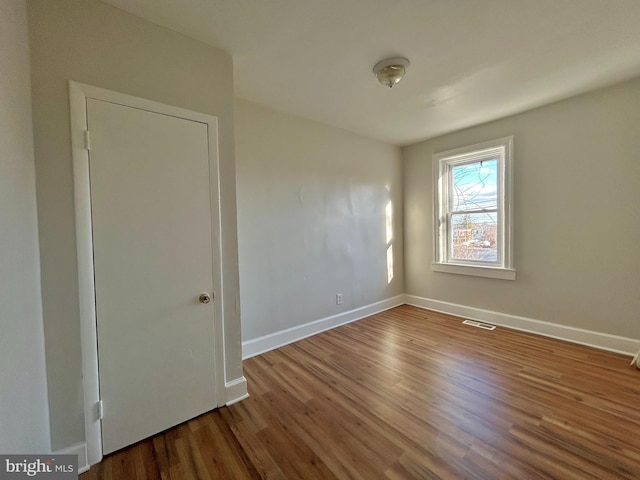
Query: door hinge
x,y
87,140
100,410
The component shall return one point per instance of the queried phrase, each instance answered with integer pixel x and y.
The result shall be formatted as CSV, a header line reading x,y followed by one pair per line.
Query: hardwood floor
x,y
410,393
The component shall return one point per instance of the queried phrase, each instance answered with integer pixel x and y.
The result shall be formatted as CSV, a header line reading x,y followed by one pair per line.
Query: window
x,y
473,210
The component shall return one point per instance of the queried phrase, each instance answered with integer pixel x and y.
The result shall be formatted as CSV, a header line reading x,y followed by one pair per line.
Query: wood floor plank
x,y
410,394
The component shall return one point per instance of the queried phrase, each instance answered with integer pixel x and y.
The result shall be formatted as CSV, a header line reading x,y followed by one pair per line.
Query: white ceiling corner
x,y
471,61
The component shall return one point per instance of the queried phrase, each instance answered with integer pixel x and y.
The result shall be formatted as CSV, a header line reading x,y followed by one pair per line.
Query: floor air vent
x,y
473,323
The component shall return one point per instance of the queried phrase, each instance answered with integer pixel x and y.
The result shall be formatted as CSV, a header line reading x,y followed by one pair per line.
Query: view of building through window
x,y
474,190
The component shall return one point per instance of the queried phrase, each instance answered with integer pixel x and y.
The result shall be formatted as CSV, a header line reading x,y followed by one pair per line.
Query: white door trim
x,y
78,94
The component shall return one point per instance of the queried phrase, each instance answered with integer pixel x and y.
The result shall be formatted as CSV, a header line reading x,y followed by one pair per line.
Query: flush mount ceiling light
x,y
391,70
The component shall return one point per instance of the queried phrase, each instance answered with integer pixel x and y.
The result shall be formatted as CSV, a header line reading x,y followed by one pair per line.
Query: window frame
x,y
443,164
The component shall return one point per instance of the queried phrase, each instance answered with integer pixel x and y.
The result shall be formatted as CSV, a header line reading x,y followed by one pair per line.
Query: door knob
x,y
204,297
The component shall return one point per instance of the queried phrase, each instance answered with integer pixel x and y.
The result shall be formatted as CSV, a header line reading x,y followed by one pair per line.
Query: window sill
x,y
477,271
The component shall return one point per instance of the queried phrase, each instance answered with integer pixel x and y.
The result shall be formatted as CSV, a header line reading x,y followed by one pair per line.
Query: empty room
x,y
333,239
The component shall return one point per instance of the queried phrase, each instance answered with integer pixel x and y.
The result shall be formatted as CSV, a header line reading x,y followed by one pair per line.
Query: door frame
x,y
80,142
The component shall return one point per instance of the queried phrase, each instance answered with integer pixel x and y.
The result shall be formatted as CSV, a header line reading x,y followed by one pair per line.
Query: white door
x,y
151,220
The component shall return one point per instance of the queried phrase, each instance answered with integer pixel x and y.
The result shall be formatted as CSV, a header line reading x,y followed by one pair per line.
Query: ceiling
x,y
472,61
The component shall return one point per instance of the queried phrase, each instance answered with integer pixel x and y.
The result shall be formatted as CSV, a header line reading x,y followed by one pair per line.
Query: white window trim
x,y
504,269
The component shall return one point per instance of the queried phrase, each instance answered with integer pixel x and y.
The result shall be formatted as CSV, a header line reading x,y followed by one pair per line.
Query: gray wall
x,y
24,413
577,215
91,42
312,219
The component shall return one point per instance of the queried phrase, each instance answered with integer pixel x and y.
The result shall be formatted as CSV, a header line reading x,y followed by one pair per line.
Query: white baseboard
x,y
603,341
251,348
236,390
79,449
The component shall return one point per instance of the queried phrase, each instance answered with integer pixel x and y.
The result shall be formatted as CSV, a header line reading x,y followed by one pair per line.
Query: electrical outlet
x,y
338,299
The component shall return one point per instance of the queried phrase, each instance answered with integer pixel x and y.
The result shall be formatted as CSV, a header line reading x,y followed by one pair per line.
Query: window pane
x,y
475,185
474,237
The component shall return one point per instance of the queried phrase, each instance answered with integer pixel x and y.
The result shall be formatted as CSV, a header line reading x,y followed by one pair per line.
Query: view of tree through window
x,y
474,216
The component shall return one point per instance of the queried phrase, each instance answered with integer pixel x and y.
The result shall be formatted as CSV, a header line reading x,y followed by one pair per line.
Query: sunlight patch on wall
x,y
389,217
389,229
